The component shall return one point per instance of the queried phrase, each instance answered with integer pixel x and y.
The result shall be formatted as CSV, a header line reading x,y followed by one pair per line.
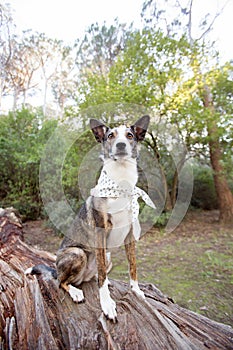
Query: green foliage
x,y
143,74
72,170
162,220
204,195
23,135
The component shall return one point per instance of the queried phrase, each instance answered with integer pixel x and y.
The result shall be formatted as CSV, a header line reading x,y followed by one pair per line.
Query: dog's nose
x,y
121,146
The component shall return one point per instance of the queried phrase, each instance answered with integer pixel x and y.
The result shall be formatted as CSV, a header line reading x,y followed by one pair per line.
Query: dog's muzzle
x,y
121,149
121,146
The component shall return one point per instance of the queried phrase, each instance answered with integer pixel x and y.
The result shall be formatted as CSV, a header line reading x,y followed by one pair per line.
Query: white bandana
x,y
106,187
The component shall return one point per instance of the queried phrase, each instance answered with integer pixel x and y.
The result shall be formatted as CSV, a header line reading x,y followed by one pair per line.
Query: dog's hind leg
x,y
131,256
71,266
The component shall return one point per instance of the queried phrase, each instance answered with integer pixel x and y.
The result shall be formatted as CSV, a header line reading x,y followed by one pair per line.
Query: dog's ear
x,y
98,129
140,127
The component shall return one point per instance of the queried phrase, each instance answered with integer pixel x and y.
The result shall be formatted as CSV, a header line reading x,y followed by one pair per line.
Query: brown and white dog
x,y
107,219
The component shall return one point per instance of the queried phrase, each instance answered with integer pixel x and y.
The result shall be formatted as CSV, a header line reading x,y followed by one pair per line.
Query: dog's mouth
x,y
121,154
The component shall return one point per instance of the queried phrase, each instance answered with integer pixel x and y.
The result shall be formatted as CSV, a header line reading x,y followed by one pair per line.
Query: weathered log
x,y
37,314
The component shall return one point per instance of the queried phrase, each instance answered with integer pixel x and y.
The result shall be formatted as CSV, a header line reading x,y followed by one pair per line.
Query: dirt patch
x,y
193,265
38,234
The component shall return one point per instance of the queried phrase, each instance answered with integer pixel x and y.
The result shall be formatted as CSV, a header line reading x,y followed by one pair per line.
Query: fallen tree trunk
x,y
37,314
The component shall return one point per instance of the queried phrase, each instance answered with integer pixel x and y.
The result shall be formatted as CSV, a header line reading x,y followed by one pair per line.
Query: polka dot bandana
x,y
106,187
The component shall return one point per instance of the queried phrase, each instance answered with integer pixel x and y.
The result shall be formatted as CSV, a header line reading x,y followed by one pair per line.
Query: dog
x,y
107,219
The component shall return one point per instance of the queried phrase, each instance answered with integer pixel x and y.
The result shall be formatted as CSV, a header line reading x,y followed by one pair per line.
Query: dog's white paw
x,y
28,271
109,309
76,294
135,288
108,305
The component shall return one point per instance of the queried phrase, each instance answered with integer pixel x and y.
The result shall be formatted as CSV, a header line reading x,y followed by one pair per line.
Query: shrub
x,y
204,195
23,135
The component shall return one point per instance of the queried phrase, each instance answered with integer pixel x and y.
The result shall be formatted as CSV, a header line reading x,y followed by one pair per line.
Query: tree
x,y
202,112
27,57
63,83
181,17
203,87
18,60
46,52
21,68
100,47
6,35
49,54
224,194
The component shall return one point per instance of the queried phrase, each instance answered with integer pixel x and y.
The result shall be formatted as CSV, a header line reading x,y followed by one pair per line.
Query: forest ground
x,y
193,265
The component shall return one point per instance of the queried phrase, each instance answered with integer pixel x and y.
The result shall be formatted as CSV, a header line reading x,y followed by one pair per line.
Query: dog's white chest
x,y
121,203
121,219
121,224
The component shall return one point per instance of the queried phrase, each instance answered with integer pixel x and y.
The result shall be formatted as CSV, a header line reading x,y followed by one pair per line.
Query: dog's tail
x,y
44,270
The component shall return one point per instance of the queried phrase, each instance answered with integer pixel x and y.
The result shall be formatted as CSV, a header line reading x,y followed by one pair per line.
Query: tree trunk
x,y
164,190
45,96
15,99
174,188
37,314
224,194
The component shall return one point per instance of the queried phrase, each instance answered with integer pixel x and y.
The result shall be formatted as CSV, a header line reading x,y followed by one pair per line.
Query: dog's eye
x,y
129,136
111,136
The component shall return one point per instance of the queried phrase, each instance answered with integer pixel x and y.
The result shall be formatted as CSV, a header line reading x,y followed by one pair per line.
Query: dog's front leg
x,y
131,256
108,305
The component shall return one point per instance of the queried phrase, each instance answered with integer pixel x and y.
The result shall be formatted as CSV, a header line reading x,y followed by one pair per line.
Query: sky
x,y
68,19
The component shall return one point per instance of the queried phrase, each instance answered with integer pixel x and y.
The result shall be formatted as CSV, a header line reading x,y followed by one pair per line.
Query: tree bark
x,y
174,188
164,191
37,314
224,194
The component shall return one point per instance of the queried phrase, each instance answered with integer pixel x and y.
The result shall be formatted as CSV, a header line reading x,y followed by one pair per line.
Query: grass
x,y
195,270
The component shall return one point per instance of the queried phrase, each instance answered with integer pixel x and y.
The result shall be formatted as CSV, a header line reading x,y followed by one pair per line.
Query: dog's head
x,y
120,142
